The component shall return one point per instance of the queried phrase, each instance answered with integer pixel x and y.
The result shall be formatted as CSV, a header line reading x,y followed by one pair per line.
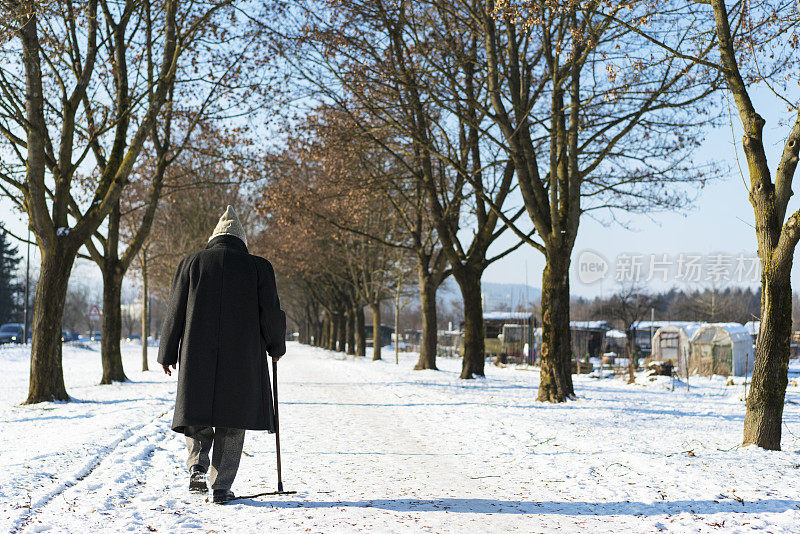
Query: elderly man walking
x,y
224,316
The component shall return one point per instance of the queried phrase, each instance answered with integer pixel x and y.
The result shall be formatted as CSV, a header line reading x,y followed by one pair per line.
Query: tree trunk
x,y
334,332
111,329
324,329
318,332
311,324
351,331
341,331
331,332
361,332
376,330
762,421
47,375
427,346
555,383
303,330
145,312
776,246
305,327
631,354
474,346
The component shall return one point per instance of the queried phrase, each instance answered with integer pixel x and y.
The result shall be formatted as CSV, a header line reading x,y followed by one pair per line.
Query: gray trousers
x,y
224,463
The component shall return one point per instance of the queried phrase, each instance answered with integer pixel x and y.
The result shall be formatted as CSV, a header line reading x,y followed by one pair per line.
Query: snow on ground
x,y
375,447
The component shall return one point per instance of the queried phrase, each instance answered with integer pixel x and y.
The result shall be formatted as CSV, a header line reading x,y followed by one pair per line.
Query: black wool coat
x,y
223,317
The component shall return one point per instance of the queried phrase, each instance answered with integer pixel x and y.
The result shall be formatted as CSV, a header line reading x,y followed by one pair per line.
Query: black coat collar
x,y
227,241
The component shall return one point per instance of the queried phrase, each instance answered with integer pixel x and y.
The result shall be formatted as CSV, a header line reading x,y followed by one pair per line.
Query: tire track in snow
x,y
132,435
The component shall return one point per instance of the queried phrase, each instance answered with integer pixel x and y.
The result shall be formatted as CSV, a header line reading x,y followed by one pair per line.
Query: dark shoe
x,y
223,496
197,479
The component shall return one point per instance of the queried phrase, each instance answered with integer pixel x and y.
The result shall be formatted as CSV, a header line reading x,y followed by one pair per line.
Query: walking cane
x,y
277,440
277,427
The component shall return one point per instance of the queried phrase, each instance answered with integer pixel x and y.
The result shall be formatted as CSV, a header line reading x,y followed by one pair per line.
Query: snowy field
x,y
370,446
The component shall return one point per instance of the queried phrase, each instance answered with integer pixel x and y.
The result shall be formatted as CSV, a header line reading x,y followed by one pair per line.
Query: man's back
x,y
224,315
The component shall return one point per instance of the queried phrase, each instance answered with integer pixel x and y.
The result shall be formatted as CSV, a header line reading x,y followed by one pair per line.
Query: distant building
x,y
411,336
507,335
386,334
644,331
671,343
493,322
720,349
587,337
616,341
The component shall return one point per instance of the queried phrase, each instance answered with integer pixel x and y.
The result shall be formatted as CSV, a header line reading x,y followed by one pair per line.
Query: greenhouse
x,y
671,343
720,349
753,327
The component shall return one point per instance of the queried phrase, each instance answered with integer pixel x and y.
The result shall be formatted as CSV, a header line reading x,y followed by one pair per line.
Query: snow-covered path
x,y
376,447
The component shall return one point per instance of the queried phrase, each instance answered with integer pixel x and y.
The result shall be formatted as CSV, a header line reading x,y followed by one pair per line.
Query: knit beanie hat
x,y
229,225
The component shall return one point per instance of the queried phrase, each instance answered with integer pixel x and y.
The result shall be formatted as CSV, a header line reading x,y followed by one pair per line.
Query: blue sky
x,y
718,225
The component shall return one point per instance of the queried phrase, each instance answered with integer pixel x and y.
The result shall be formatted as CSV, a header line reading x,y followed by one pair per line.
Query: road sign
x,y
94,311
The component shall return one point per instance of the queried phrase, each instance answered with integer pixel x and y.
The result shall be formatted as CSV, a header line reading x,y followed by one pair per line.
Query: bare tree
x,y
628,306
754,44
350,237
360,163
70,103
587,113
777,235
411,70
196,119
144,254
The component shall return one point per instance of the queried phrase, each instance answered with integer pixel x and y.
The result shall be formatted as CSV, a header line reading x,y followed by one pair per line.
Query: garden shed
x,y
721,349
587,337
671,343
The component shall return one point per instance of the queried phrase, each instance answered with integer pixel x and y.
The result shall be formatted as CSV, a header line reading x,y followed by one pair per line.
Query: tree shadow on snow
x,y
44,418
130,400
466,385
488,506
566,407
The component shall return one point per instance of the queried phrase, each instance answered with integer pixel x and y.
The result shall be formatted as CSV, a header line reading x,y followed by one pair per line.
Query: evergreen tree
x,y
10,286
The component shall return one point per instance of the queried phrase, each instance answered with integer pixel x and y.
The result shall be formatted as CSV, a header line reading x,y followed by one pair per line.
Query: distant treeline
x,y
732,304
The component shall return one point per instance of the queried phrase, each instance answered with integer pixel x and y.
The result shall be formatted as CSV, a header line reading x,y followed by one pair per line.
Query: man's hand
x,y
276,358
166,369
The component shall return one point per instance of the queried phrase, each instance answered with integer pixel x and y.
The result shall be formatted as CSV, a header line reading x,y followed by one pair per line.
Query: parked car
x,y
97,336
12,333
66,335
134,337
